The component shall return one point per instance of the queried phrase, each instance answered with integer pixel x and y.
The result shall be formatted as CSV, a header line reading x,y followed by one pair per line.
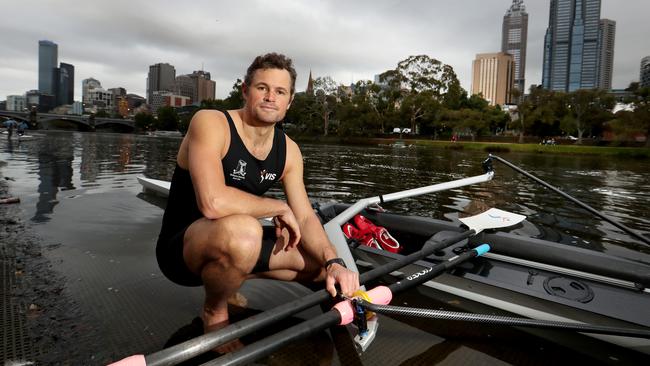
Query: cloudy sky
x,y
116,41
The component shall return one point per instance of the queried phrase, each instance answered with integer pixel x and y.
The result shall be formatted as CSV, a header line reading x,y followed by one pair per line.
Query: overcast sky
x,y
116,41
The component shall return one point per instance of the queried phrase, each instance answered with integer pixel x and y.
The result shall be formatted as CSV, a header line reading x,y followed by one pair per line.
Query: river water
x,y
80,197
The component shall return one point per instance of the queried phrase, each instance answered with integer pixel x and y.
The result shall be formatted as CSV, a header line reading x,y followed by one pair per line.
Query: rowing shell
x,y
160,187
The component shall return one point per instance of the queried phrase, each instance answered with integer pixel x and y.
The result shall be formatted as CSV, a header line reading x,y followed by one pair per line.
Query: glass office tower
x,y
571,47
48,54
514,37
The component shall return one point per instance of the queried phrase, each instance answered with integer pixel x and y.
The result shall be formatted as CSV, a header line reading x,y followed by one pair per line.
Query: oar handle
x,y
272,343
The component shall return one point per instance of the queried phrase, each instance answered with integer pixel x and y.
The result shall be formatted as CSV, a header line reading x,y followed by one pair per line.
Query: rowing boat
x,y
524,276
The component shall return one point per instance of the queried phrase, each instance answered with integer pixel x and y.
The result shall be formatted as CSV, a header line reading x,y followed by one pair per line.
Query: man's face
x,y
269,95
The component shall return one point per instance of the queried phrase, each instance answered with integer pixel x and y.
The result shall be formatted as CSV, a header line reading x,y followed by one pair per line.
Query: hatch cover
x,y
568,288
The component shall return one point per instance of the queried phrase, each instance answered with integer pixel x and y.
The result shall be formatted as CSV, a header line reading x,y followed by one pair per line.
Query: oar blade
x,y
492,219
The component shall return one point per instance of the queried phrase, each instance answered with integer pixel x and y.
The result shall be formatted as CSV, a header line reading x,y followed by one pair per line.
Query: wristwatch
x,y
337,261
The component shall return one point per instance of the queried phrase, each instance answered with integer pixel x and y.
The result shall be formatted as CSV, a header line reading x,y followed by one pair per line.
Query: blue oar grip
x,y
482,249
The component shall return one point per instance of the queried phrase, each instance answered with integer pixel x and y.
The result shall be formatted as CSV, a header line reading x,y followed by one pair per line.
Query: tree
x,y
418,85
421,73
167,119
524,108
419,107
586,109
325,89
144,121
235,99
642,112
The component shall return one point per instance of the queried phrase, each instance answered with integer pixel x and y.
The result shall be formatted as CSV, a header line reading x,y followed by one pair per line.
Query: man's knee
x,y
239,240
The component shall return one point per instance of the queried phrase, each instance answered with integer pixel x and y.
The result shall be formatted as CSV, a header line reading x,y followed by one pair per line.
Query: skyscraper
x,y
161,77
606,37
65,93
644,74
493,77
514,37
48,55
571,45
205,87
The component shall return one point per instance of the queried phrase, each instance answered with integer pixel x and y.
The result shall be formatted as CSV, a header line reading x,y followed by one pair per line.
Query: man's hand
x,y
287,221
348,280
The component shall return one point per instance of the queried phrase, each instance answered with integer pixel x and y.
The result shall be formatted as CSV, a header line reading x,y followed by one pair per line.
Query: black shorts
x,y
169,253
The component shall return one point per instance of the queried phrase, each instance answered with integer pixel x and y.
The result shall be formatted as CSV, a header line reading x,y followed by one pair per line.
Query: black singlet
x,y
241,170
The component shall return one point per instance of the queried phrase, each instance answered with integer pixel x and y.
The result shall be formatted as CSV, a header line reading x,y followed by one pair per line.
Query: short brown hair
x,y
271,61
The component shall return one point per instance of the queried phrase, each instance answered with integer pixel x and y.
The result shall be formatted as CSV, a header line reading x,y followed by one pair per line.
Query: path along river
x,y
93,232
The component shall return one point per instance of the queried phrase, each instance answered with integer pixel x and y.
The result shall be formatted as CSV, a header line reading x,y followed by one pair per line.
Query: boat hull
x,y
531,285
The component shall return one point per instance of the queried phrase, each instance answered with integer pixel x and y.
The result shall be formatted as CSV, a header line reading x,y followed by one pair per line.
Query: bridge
x,y
84,120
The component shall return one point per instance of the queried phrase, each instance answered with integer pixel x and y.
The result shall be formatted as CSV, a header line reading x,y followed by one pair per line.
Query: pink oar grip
x,y
135,360
380,295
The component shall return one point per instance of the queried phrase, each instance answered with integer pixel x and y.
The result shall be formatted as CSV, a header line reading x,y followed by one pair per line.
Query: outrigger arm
x,y
335,233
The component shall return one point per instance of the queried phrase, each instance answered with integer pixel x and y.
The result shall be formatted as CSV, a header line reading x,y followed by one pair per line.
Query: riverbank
x,y
491,147
40,323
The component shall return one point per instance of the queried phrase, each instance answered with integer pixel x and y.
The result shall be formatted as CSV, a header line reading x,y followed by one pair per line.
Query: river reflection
x,y
80,192
64,161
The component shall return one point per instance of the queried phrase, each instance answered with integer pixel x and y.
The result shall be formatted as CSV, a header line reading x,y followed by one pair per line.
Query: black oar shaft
x,y
506,320
272,343
428,248
426,274
574,200
196,346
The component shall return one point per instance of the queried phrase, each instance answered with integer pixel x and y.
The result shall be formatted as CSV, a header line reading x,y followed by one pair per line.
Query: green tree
x,y
304,114
424,75
586,109
235,99
144,121
325,92
524,109
167,119
102,114
420,108
637,121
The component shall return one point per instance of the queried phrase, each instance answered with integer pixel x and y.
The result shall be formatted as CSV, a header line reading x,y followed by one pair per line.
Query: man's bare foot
x,y
238,300
214,321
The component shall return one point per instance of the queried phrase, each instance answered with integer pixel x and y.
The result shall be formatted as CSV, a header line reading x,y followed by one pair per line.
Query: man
x,y
211,234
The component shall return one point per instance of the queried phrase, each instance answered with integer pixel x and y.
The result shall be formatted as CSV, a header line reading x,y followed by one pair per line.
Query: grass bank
x,y
494,147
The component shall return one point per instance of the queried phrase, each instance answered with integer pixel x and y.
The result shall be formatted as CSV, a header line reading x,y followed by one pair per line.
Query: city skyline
x,y
347,41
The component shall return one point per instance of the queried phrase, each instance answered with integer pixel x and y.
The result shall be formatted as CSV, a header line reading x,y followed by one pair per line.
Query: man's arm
x,y
314,239
204,148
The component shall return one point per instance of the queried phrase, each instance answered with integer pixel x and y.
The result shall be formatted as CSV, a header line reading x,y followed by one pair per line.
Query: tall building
x,y
161,77
644,74
571,45
606,37
16,103
185,86
94,96
493,77
48,55
86,87
197,86
65,93
205,87
514,37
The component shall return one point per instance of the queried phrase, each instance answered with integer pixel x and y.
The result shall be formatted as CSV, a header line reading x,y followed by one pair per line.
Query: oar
x,y
184,351
574,200
341,314
505,320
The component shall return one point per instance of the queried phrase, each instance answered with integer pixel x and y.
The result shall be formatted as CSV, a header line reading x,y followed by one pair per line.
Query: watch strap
x,y
337,261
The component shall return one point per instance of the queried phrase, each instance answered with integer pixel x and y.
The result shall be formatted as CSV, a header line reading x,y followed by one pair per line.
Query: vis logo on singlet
x,y
266,176
239,173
